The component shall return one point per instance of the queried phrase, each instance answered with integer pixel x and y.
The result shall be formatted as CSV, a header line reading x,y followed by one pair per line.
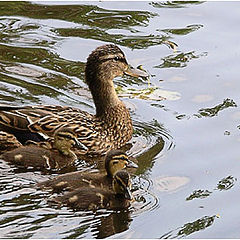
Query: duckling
x,y
8,142
115,160
111,126
90,198
57,157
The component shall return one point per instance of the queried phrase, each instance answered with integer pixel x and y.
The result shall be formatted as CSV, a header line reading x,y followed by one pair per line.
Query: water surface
x,y
186,121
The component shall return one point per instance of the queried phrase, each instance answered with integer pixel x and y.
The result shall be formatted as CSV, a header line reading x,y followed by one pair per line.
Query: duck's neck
x,y
104,94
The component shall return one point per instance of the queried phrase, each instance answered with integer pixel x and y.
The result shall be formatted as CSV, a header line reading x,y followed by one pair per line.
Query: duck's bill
x,y
131,164
134,72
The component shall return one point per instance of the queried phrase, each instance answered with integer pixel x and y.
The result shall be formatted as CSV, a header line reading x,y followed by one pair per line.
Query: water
x,y
186,135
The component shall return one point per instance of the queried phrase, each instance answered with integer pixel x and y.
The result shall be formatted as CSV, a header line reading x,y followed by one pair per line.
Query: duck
x,y
115,160
46,156
94,198
109,128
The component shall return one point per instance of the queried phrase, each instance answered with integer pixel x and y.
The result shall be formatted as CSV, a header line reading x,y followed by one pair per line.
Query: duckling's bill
x,y
131,164
128,194
79,145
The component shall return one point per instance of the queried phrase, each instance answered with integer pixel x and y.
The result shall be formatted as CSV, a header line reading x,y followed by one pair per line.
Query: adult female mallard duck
x,y
115,160
45,157
90,198
109,128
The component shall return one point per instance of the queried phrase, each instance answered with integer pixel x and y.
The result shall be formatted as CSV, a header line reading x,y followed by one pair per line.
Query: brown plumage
x,y
110,128
115,160
89,198
57,157
8,142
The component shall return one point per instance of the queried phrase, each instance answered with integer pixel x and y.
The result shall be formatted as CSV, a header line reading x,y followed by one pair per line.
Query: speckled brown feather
x,y
92,199
8,142
37,158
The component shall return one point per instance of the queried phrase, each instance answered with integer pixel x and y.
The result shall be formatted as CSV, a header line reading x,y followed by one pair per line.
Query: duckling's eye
x,y
115,162
65,136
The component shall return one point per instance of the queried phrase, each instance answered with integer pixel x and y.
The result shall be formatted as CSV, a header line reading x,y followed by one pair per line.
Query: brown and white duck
x,y
111,126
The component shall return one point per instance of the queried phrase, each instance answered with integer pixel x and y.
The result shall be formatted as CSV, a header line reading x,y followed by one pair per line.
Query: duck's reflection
x,y
116,222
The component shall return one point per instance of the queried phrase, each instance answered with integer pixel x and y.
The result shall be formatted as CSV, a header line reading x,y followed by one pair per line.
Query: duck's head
x,y
65,139
109,60
103,65
116,160
122,184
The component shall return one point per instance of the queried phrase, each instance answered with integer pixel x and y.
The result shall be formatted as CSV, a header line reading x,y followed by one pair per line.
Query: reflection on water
x,y
199,194
212,112
179,60
184,31
189,228
174,4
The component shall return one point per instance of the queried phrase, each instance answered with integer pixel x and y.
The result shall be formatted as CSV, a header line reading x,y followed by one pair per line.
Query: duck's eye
x,y
116,58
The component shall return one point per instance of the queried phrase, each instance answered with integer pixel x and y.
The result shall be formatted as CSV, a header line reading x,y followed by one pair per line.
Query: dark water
x,y
186,122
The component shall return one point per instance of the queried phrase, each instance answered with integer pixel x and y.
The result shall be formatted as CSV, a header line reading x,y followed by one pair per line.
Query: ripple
x,y
145,199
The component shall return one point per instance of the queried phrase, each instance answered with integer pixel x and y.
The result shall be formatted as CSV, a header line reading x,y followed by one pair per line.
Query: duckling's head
x,y
103,65
116,160
64,139
122,184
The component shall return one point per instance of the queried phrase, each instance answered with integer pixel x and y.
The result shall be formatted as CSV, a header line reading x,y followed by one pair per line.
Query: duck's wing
x,y
39,121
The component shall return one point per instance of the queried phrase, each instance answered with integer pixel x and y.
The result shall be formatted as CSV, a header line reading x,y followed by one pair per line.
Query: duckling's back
x,y
92,199
36,157
74,180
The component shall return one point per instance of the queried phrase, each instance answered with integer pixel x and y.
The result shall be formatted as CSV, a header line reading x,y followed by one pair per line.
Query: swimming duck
x,y
58,156
115,160
90,198
111,126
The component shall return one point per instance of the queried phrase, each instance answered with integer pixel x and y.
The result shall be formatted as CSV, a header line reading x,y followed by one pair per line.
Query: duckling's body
x,y
115,160
37,157
110,128
89,198
8,142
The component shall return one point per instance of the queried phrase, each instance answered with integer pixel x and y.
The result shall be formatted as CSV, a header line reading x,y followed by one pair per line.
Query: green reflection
x,y
191,227
226,183
174,4
88,15
179,60
199,194
199,224
183,31
212,112
133,42
41,57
